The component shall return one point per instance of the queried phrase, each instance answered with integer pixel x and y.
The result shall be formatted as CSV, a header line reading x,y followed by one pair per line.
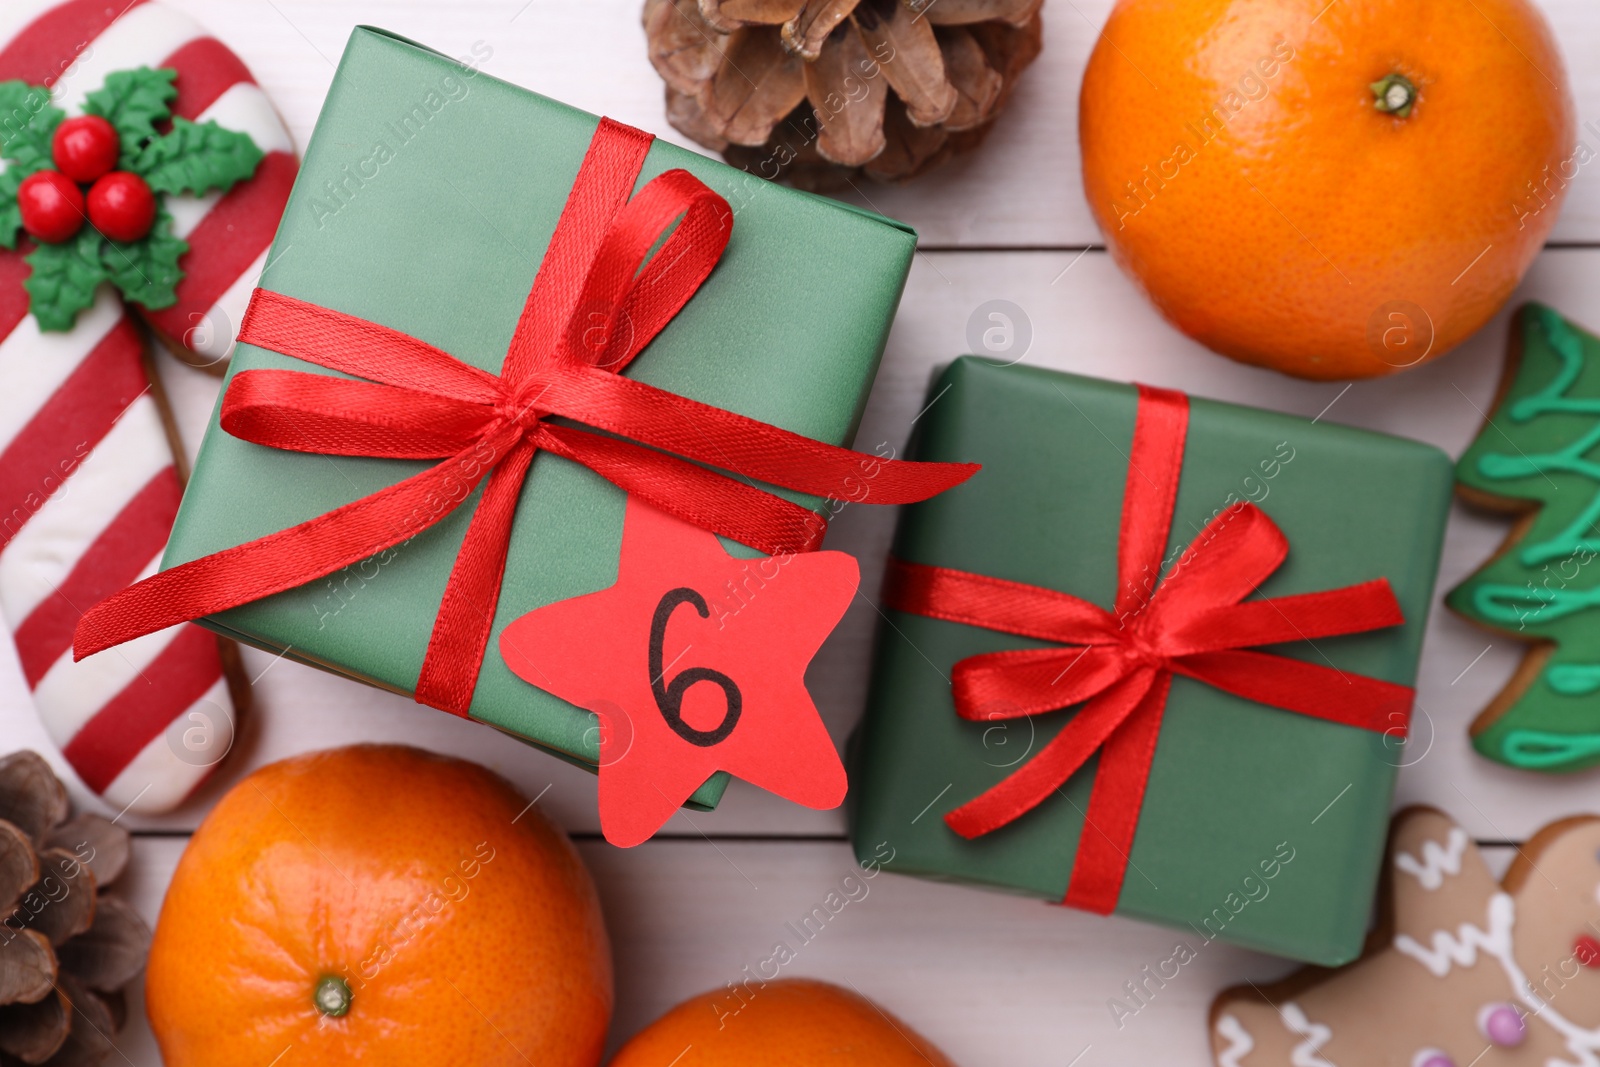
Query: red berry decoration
x,y
52,207
85,148
121,206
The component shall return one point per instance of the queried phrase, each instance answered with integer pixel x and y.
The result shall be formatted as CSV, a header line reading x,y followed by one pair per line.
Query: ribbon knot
x,y
616,272
1119,663
520,405
1139,648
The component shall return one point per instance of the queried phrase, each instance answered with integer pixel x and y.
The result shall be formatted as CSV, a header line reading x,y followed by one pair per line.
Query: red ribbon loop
x,y
616,272
1119,665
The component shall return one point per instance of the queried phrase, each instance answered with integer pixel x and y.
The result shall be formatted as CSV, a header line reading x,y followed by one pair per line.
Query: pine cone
x,y
66,950
817,91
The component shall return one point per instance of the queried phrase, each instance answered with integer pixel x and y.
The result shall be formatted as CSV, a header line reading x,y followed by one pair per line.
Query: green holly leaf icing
x,y
19,101
10,212
64,279
27,122
147,271
134,101
197,159
191,158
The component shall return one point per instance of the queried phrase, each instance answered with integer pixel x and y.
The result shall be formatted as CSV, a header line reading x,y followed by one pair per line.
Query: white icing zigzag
x,y
1461,948
1436,862
1307,1053
1240,1043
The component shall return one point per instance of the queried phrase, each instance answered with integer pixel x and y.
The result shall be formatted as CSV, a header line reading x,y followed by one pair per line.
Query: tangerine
x,y
379,905
792,1022
1330,188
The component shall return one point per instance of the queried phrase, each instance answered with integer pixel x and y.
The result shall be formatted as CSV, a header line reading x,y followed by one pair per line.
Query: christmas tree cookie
x,y
1462,970
1538,458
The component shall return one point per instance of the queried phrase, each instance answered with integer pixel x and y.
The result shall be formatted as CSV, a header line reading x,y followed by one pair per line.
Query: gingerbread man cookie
x,y
142,177
1533,460
1462,971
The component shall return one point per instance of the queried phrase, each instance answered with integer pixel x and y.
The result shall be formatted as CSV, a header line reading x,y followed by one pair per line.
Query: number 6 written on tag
x,y
669,698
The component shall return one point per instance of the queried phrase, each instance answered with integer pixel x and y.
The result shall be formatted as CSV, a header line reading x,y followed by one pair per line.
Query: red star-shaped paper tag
x,y
695,662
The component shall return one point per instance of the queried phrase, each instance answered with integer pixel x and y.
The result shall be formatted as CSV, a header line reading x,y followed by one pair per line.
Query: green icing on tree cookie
x,y
189,159
1540,452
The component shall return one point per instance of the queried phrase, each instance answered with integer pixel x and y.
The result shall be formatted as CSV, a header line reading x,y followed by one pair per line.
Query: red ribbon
x,y
1196,622
599,298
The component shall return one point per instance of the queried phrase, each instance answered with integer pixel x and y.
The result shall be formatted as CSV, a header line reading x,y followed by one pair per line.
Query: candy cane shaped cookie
x,y
89,485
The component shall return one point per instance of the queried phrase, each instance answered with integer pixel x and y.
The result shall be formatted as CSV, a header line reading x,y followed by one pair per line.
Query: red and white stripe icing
x,y
88,484
72,46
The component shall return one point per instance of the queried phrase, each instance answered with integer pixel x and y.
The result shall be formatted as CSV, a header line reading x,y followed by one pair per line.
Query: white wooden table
x,y
994,980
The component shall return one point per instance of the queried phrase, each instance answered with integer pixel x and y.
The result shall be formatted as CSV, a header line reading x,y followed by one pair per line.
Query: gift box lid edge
x,y
798,195
961,366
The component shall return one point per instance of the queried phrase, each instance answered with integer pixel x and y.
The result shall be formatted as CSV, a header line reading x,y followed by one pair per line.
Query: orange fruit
x,y
794,1022
383,906
1331,188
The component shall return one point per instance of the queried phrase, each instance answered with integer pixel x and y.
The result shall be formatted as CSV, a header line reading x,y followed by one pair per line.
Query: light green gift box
x,y
426,201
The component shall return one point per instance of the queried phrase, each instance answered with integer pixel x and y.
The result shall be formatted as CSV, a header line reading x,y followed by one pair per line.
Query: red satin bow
x,y
1196,622
600,297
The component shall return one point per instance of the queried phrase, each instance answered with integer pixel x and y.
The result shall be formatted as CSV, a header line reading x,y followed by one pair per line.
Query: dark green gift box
x,y
1259,826
426,201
